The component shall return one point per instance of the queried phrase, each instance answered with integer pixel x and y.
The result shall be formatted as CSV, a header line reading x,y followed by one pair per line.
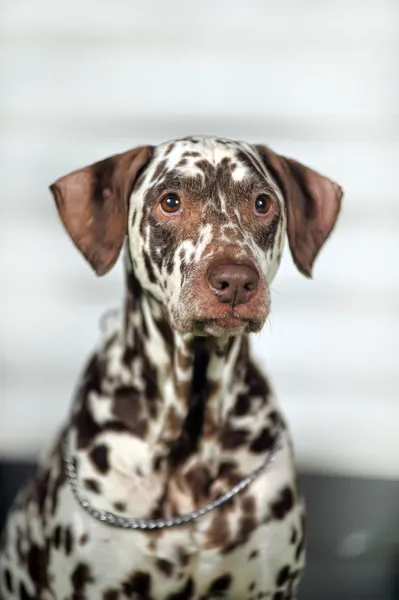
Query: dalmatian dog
x,y
173,478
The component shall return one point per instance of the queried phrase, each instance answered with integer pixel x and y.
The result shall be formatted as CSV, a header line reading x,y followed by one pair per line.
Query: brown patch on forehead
x,y
182,163
206,167
253,165
190,139
191,153
169,149
160,171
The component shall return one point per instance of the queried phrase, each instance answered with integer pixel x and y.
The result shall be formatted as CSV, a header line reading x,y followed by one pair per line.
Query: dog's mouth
x,y
231,324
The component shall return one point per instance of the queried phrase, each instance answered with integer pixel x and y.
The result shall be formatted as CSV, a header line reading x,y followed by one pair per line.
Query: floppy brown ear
x,y
312,203
93,203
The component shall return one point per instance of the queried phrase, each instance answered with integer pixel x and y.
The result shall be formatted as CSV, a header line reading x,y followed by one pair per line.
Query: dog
x,y
174,476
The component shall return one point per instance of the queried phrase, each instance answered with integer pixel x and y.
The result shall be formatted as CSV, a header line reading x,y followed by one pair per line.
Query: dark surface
x,y
353,534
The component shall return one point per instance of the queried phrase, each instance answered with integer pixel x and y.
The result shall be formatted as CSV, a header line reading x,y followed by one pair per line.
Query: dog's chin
x,y
221,327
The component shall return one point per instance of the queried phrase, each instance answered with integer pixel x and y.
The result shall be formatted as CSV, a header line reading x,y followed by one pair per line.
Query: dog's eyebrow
x,y
195,184
175,181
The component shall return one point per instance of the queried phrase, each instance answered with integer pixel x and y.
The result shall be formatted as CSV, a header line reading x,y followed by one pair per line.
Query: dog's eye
x,y
171,204
262,205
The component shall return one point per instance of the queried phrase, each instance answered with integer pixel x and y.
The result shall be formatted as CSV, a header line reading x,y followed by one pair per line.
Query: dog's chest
x,y
251,548
256,535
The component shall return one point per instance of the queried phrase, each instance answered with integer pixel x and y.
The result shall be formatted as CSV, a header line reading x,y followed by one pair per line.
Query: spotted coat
x,y
171,410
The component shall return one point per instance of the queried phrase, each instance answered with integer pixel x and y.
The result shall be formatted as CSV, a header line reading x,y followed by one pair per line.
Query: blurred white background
x,y
315,80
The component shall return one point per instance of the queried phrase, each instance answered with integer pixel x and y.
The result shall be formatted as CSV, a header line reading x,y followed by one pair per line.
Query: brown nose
x,y
233,284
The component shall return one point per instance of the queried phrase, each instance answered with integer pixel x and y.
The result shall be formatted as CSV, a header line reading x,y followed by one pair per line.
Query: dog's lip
x,y
229,322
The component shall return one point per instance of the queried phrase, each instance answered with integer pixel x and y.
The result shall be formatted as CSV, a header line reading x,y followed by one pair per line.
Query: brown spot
x,y
169,148
226,467
251,587
182,389
23,592
274,417
8,581
42,488
198,480
120,506
173,422
264,441
140,584
165,566
99,457
253,555
159,171
256,382
294,536
37,561
283,576
185,593
141,428
247,524
83,539
184,360
283,504
242,405
183,557
181,163
127,406
233,438
92,485
80,577
221,584
111,595
191,153
57,537
59,481
68,540
86,426
218,533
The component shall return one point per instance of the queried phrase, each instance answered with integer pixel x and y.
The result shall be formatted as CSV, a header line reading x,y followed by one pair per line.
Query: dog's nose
x,y
233,284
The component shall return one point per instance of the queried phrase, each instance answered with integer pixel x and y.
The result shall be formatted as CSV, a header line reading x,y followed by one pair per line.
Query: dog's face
x,y
206,221
206,229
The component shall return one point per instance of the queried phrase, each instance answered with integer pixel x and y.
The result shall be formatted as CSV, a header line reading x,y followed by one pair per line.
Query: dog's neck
x,y
190,381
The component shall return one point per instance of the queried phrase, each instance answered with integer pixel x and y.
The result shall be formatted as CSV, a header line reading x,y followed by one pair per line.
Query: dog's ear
x,y
93,204
312,204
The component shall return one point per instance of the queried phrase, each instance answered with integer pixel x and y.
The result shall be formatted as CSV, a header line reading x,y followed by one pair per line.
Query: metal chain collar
x,y
134,523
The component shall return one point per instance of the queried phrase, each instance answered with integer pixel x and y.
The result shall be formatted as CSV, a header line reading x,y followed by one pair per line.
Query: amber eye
x,y
171,204
262,205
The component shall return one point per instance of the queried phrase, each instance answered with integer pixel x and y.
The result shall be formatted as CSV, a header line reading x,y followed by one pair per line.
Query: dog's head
x,y
206,221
